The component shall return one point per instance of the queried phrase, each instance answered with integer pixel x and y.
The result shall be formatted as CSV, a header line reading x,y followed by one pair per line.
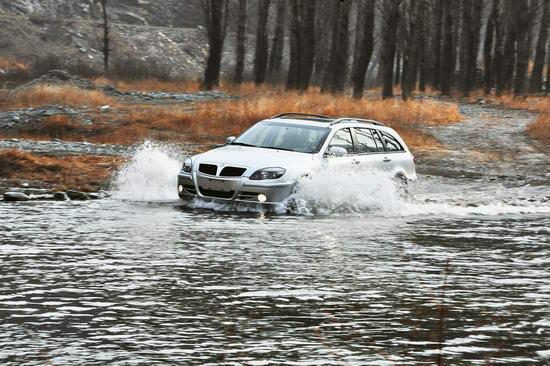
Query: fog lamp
x,y
180,188
262,197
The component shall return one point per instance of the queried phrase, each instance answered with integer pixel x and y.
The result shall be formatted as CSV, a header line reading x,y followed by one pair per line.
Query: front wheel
x,y
402,184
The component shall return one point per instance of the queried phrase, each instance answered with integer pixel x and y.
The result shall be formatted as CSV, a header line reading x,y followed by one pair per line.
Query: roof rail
x,y
346,119
302,115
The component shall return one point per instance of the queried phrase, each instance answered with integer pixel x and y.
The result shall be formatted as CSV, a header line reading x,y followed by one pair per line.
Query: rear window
x,y
391,143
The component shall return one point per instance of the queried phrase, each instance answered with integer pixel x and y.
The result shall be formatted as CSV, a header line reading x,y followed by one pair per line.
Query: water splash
x,y
331,192
150,174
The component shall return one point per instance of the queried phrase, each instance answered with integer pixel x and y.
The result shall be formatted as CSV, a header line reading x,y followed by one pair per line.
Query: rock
x,y
94,196
42,197
15,197
77,195
60,196
105,108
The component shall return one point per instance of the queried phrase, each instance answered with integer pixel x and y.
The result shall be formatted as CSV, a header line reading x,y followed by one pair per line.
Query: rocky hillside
x,y
161,35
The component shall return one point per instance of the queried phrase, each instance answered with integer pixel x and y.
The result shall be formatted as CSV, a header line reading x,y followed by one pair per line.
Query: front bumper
x,y
232,189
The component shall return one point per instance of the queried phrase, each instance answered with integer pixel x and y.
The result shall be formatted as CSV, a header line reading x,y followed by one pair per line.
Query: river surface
x,y
459,272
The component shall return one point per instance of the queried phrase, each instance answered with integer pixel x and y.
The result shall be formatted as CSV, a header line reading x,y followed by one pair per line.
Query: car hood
x,y
255,158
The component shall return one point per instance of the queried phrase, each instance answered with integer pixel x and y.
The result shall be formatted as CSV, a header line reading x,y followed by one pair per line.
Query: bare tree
x,y
106,38
307,34
241,40
337,68
390,19
437,24
535,83
215,13
261,52
365,45
293,76
447,56
523,23
488,46
323,16
278,42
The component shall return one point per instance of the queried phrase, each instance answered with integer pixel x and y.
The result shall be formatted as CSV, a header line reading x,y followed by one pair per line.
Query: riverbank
x,y
63,132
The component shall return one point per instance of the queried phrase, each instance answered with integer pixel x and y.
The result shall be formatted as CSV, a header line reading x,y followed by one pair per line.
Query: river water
x,y
458,272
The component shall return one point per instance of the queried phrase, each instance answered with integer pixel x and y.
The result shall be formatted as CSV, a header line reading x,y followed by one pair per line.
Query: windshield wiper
x,y
243,144
277,148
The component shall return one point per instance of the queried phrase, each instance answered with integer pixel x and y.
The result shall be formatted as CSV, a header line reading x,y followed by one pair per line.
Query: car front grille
x,y
232,171
210,169
216,194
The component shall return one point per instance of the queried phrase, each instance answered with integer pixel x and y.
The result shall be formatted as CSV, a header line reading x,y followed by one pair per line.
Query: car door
x,y
369,153
395,157
341,139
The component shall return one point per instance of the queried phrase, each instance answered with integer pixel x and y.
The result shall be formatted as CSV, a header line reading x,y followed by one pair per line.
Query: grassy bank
x,y
86,173
212,121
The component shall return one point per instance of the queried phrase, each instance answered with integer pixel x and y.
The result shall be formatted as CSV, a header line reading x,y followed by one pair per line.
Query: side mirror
x,y
230,140
337,151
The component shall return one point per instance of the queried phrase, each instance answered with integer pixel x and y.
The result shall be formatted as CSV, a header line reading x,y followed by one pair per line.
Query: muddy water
x,y
460,271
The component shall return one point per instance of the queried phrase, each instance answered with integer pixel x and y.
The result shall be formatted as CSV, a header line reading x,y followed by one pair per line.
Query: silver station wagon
x,y
264,164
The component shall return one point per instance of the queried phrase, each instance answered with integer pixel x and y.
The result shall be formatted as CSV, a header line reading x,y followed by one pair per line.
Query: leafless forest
x,y
398,45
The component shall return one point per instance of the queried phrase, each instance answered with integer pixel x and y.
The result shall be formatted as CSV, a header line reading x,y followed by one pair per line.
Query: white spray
x,y
150,174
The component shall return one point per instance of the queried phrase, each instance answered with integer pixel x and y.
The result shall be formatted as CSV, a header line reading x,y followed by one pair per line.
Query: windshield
x,y
284,136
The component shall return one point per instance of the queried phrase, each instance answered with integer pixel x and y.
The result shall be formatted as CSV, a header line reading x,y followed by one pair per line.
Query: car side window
x,y
378,140
365,141
342,138
391,143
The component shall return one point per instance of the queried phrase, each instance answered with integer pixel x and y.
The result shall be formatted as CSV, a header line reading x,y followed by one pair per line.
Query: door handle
x,y
386,160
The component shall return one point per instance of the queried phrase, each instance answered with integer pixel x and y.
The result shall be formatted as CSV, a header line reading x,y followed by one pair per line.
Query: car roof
x,y
321,121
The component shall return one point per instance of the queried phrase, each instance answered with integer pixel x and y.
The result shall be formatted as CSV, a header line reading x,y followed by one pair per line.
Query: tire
x,y
402,184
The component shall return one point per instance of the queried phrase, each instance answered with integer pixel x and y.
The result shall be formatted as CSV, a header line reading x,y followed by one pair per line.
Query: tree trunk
x,y
438,25
447,62
307,34
465,48
215,11
241,39
423,42
397,71
474,29
365,48
488,48
278,43
322,39
292,81
390,20
509,51
498,58
535,84
261,52
335,76
522,58
106,38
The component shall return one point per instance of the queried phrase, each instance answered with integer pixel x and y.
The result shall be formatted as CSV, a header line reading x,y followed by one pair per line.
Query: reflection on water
x,y
144,283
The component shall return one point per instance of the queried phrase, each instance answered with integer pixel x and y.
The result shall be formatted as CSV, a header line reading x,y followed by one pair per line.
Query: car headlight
x,y
187,166
268,173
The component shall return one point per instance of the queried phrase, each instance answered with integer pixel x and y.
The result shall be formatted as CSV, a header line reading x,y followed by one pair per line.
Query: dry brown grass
x,y
224,118
531,103
84,172
213,121
541,127
12,65
69,95
152,85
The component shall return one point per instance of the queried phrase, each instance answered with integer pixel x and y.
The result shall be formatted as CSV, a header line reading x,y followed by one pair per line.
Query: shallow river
x,y
460,271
